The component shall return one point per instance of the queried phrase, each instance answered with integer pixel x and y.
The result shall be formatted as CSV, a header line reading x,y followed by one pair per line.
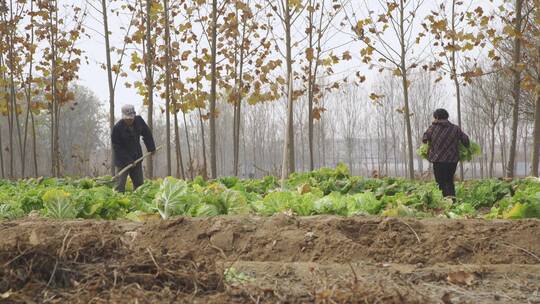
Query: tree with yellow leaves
x,y
396,19
458,31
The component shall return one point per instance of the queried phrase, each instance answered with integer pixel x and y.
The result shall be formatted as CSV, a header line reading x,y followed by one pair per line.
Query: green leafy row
x,y
324,191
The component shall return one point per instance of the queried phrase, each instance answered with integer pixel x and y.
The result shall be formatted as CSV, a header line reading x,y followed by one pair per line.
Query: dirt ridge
x,y
288,259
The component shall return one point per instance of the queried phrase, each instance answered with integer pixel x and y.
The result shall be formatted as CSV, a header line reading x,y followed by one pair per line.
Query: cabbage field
x,y
324,191
320,237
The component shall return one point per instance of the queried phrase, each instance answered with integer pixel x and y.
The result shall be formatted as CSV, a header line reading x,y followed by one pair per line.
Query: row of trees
x,y
368,137
39,60
202,57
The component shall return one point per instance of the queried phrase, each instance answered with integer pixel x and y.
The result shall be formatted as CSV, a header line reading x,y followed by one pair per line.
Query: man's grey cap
x,y
128,112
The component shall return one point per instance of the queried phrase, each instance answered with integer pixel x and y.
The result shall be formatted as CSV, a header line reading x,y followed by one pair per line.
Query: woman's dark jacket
x,y
444,138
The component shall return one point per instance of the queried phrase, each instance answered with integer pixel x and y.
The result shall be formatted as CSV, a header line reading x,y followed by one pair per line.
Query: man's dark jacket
x,y
444,138
126,141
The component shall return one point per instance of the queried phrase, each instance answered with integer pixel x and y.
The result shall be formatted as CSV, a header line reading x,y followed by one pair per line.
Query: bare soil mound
x,y
322,259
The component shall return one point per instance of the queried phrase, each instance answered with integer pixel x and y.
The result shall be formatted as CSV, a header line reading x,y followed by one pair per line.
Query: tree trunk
x,y
385,147
410,156
379,135
323,144
28,92
525,144
190,160
236,134
9,120
334,156
254,150
516,90
503,151
205,168
54,103
404,153
302,145
4,89
310,92
536,131
179,162
492,157
371,155
149,82
349,152
212,114
13,97
2,64
454,76
34,146
2,155
109,78
502,134
244,153
238,109
13,108
57,106
310,121
57,138
288,165
168,87
53,162
536,136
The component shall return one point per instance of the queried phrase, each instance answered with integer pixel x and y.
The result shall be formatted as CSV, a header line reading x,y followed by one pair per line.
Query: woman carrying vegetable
x,y
443,138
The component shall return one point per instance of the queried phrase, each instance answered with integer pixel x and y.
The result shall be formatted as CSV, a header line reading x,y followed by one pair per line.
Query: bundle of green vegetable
x,y
423,151
465,153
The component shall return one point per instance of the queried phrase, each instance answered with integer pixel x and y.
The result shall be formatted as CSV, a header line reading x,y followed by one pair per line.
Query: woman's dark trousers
x,y
444,176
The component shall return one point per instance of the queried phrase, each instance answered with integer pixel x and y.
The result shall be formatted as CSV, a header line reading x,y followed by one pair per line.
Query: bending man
x,y
126,145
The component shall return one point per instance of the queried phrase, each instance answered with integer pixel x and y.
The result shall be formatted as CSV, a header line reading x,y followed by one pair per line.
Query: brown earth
x,y
285,259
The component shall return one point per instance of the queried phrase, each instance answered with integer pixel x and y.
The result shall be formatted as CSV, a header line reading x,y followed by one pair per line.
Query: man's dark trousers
x,y
444,176
136,174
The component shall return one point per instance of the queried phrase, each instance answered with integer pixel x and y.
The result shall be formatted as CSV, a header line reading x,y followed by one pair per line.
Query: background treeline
x,y
257,87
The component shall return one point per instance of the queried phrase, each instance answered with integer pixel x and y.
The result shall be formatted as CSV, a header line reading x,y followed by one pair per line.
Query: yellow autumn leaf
x,y
468,36
295,3
509,30
479,11
484,21
327,62
493,56
155,9
309,54
374,96
452,48
468,47
439,26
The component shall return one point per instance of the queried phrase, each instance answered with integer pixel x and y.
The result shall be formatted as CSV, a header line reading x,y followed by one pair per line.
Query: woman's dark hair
x,y
441,114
